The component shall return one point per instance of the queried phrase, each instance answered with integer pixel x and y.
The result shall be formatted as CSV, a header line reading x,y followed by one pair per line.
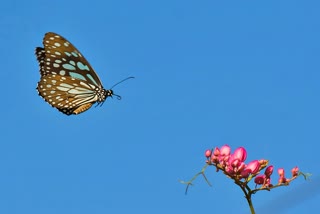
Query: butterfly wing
x,y
68,82
68,95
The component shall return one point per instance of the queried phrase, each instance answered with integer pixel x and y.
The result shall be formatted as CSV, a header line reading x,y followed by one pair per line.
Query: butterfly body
x,y
68,82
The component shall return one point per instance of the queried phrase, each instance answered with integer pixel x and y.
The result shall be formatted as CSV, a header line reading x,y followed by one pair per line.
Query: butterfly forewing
x,y
67,82
62,58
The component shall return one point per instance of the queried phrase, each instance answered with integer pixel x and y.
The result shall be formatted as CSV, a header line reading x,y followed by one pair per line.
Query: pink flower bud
x,y
281,172
214,159
241,167
207,153
254,166
269,170
228,169
260,179
225,158
282,180
245,173
234,162
225,150
267,182
240,154
216,152
295,171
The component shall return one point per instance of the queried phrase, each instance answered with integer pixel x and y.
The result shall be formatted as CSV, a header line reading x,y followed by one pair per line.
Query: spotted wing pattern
x,y
68,82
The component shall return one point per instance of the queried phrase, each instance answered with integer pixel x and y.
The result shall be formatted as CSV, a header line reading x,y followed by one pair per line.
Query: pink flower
x,y
269,170
260,179
241,166
216,151
267,182
245,173
208,153
281,172
225,150
224,154
234,162
229,171
254,166
295,171
283,180
215,155
240,154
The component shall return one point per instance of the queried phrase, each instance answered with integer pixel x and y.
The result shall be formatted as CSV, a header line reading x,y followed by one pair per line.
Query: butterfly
x,y
68,82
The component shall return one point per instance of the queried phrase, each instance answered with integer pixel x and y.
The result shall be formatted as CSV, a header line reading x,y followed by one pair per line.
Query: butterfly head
x,y
109,93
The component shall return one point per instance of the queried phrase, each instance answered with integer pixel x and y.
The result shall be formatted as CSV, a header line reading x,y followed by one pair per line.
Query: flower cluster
x,y
234,166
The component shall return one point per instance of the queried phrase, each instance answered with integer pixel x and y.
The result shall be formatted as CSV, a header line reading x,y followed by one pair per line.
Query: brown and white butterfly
x,y
68,82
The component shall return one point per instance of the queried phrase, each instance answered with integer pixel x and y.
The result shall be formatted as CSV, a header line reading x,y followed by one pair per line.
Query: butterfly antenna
x,y
118,96
118,84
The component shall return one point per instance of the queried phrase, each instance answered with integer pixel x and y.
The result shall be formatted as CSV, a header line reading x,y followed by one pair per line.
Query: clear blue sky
x,y
208,73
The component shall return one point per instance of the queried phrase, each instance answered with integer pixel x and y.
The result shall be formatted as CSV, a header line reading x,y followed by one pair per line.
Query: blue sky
x,y
208,73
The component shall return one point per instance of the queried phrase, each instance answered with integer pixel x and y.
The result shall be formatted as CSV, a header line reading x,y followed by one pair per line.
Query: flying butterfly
x,y
68,82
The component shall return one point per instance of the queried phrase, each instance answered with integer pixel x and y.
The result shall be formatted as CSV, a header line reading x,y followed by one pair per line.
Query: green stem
x,y
250,205
247,192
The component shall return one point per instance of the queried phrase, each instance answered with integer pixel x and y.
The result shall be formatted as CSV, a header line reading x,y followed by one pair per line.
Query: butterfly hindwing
x,y
65,93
